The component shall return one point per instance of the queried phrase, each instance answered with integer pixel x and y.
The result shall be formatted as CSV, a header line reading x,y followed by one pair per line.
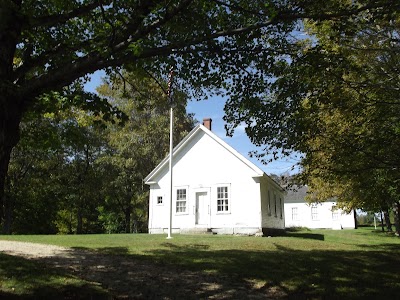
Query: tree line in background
x,y
319,78
378,220
72,172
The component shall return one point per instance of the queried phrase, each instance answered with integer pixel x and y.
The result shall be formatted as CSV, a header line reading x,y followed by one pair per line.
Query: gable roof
x,y
198,129
296,194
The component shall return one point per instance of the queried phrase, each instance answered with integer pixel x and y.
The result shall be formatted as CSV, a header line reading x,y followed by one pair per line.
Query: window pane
x,y
181,194
294,213
181,200
335,213
222,199
314,212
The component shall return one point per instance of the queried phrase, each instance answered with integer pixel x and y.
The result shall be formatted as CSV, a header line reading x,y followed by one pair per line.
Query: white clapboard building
x,y
215,189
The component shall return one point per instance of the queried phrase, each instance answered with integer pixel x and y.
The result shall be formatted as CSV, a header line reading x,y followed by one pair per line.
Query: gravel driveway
x,y
32,250
127,277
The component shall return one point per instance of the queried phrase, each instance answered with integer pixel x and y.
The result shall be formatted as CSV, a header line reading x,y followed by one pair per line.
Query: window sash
x,y
222,199
314,212
181,206
294,214
181,201
181,194
269,203
335,213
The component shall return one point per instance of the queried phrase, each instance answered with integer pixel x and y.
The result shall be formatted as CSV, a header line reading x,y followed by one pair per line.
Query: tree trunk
x,y
135,226
383,226
8,212
128,212
70,231
387,220
355,219
10,118
11,107
8,207
396,210
79,225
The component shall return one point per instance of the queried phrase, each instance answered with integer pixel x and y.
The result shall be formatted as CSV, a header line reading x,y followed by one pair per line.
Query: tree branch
x,y
96,60
53,20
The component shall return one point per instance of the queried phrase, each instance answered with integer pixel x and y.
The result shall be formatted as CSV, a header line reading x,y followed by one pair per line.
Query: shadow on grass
x,y
196,272
190,246
387,247
109,250
299,232
302,235
21,278
295,274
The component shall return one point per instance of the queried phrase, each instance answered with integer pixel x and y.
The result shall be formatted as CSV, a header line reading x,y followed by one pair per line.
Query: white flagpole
x,y
171,146
171,130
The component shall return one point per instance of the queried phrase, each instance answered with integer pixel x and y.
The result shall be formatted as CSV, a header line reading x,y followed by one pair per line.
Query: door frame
x,y
208,204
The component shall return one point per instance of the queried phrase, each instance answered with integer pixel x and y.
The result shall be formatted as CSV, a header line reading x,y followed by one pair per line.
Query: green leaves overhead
x,y
60,41
334,98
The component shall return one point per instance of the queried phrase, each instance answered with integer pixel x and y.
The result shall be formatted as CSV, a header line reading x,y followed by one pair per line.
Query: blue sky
x,y
214,108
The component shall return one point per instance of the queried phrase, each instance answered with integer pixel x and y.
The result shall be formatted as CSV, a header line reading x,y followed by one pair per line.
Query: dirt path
x,y
31,250
131,278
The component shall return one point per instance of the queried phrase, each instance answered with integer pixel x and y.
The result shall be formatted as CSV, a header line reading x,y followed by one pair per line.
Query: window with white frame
x,y
181,200
276,204
222,199
280,207
295,215
269,203
335,213
314,212
159,200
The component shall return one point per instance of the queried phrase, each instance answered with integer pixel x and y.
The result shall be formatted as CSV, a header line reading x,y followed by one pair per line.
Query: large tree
x,y
52,183
357,149
46,45
139,145
337,102
72,172
32,183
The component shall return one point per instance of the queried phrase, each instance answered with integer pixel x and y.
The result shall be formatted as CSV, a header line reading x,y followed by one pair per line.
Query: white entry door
x,y
202,208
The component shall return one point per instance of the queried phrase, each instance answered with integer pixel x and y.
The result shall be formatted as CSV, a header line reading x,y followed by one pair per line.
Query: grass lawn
x,y
317,264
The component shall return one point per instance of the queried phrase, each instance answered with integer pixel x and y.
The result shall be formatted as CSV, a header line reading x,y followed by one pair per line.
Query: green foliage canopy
x,y
137,147
239,46
336,101
73,173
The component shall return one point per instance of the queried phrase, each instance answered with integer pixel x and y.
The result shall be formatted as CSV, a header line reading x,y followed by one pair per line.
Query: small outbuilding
x,y
215,189
300,213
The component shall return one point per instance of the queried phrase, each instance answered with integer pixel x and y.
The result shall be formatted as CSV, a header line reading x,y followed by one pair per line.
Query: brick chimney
x,y
207,123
